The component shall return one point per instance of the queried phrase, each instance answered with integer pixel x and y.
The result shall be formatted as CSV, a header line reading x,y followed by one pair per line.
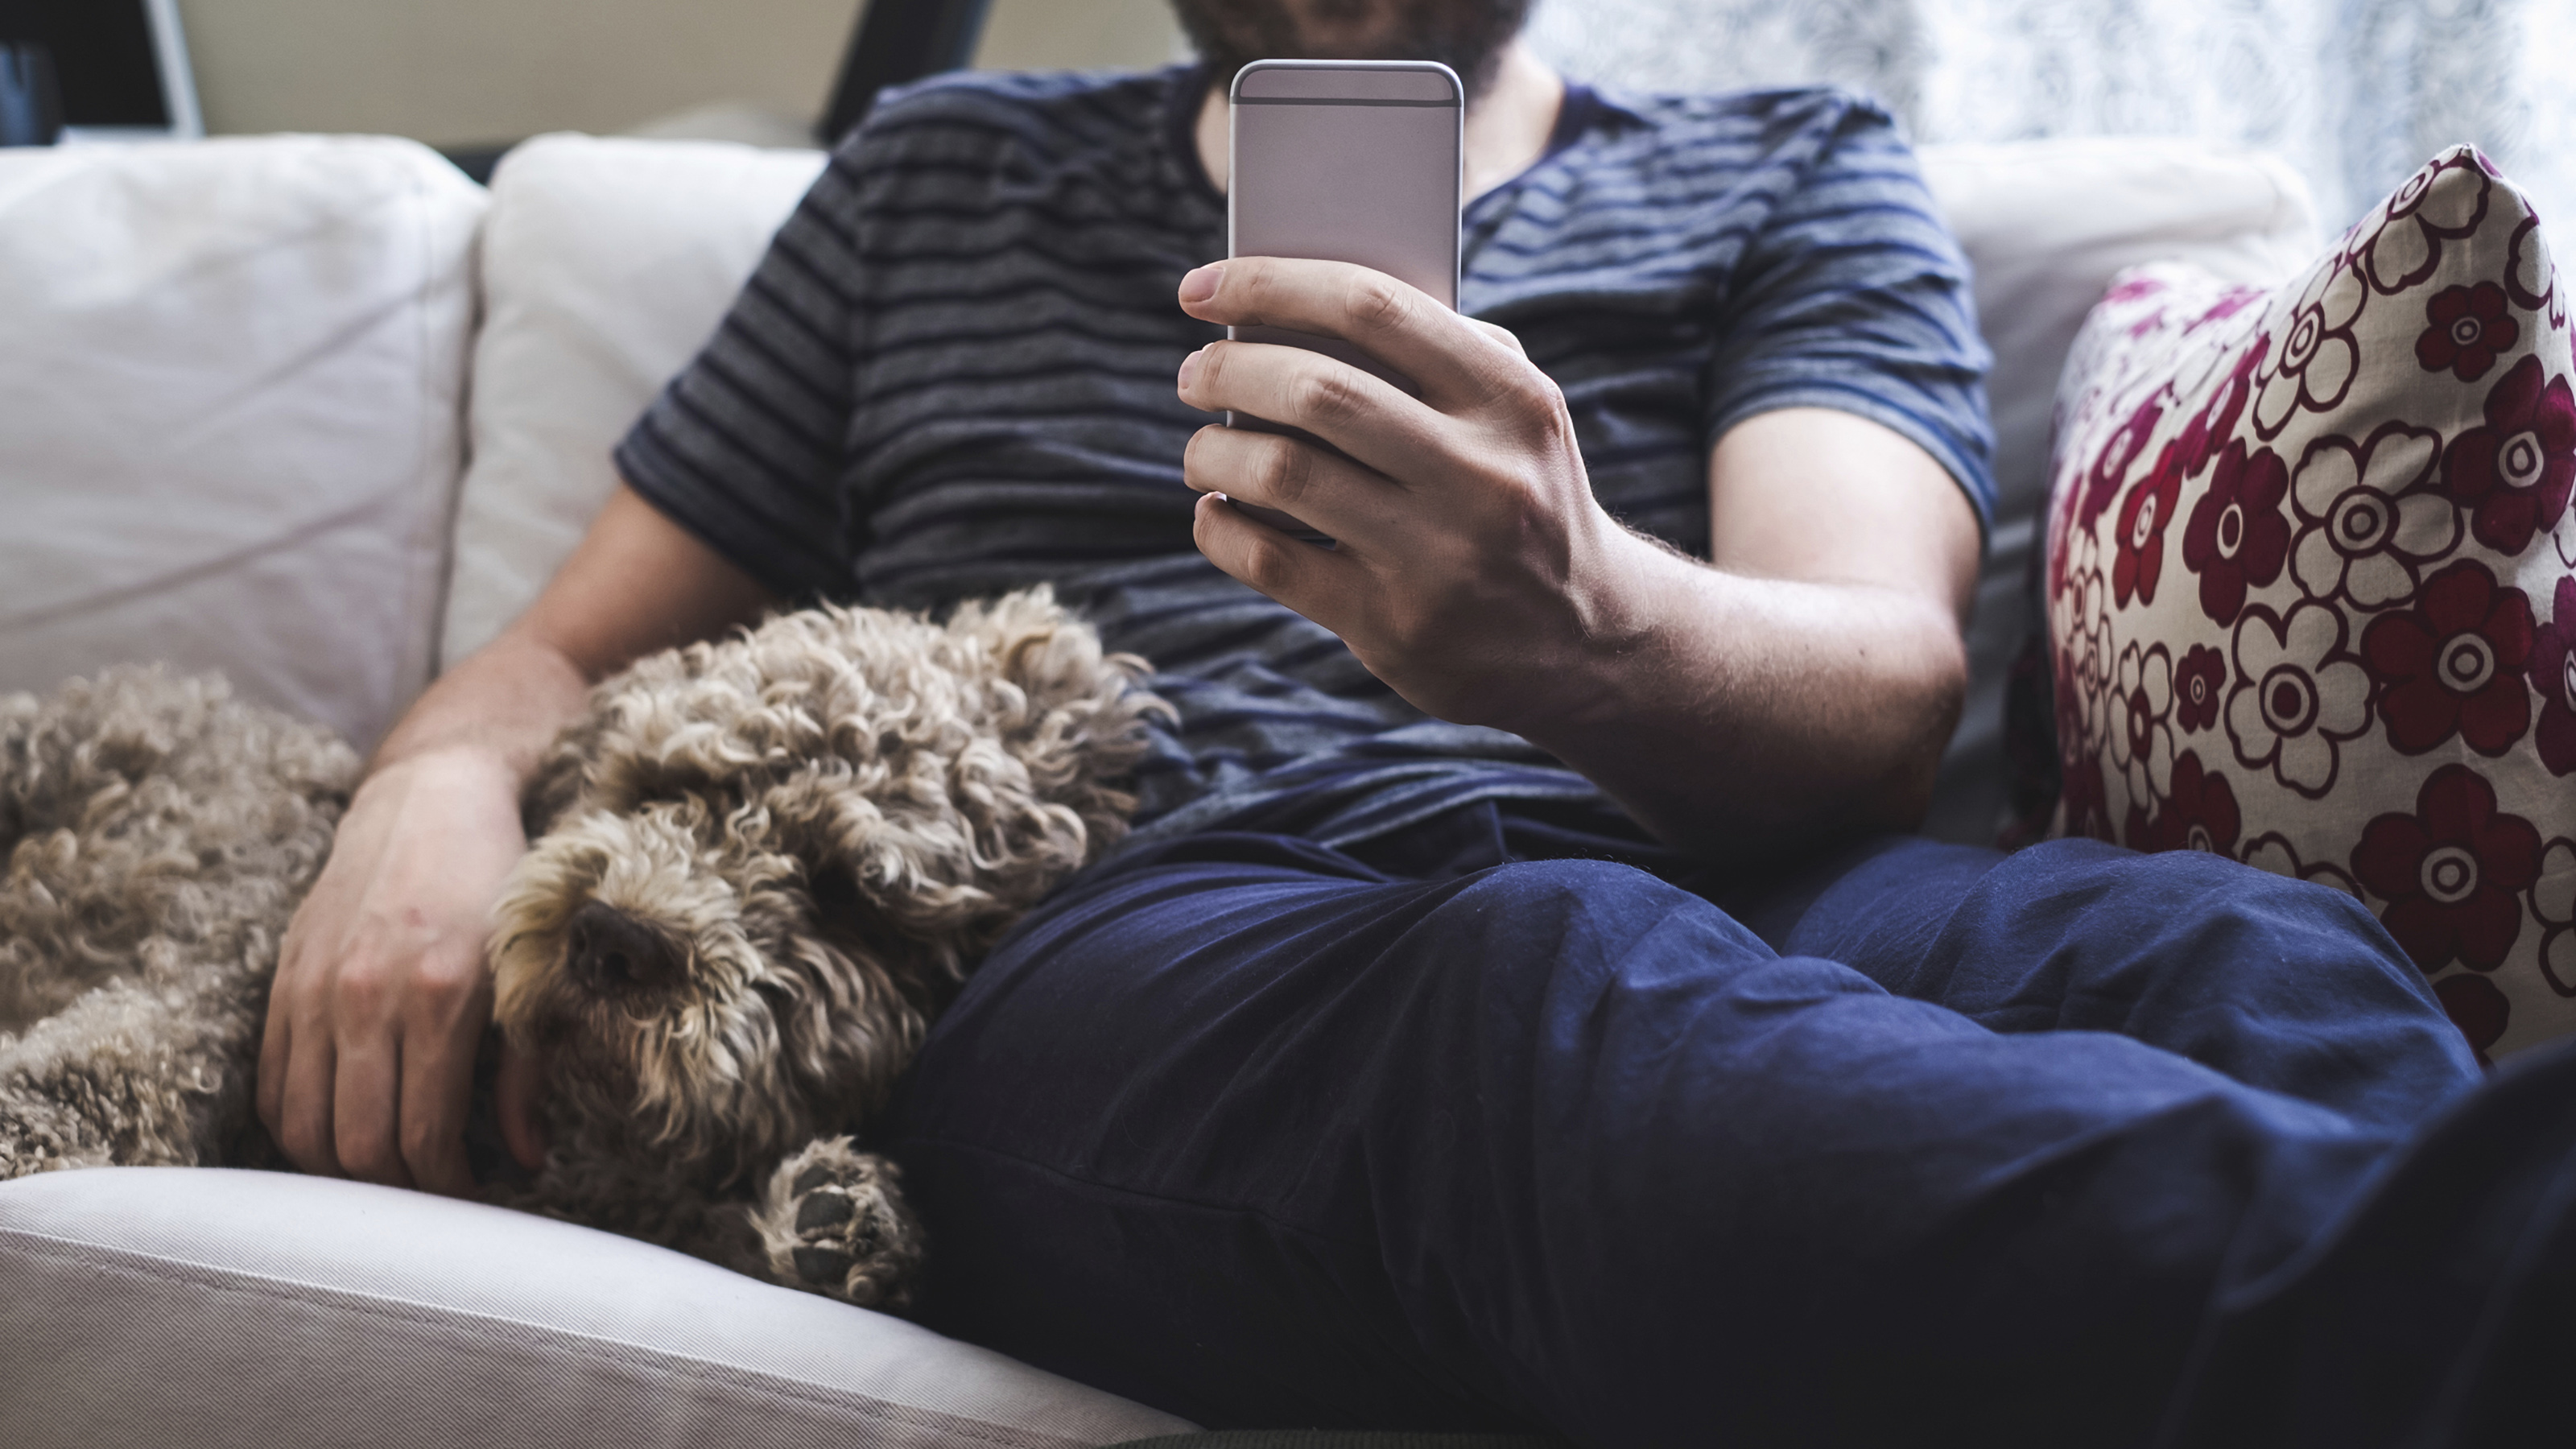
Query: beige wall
x,y
464,71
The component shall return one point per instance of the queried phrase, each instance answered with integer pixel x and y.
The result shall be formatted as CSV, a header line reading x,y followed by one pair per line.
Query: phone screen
x,y
1346,161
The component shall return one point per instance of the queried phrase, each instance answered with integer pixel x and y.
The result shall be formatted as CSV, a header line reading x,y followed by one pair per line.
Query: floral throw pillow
x,y
2311,585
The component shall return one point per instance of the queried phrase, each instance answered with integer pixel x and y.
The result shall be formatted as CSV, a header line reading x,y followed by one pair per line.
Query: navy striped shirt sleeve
x,y
746,447
1853,295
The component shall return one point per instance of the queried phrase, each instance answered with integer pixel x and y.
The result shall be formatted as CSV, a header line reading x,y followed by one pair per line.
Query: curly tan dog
x,y
759,868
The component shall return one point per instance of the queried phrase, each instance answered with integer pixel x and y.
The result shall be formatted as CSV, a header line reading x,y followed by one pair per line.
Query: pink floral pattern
x,y
2470,328
2363,672
2199,814
2318,356
2297,696
2237,536
2452,873
2454,665
2140,559
2446,201
2367,529
2142,744
2199,683
2514,472
2479,1011
2553,902
2553,678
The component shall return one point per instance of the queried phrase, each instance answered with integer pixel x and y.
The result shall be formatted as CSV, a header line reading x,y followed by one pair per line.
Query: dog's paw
x,y
833,1221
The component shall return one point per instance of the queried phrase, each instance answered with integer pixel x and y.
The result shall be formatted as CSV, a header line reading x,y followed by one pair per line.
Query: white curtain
x,y
2355,93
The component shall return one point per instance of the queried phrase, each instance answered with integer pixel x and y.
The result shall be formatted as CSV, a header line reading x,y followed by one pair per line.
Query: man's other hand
x,y
367,1068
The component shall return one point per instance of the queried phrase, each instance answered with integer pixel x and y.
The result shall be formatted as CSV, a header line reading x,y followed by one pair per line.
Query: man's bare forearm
x,y
636,583
504,704
1745,717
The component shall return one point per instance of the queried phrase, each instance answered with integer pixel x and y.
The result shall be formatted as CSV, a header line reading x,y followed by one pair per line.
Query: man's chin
x,y
1468,36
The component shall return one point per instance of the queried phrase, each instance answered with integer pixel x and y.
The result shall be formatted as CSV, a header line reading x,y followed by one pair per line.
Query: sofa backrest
x,y
232,378
233,404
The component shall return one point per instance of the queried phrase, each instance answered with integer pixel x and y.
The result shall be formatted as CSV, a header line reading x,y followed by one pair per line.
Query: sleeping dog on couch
x,y
758,867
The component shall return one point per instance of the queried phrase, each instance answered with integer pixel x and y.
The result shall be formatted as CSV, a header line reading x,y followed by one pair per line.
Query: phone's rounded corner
x,y
1234,87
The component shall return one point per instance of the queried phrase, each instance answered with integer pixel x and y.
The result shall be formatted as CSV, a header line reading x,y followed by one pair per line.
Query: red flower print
x,y
2452,872
2197,687
2528,274
2298,695
2212,426
2553,900
2237,534
2111,466
2469,328
2553,678
2320,354
2141,539
2453,664
2201,813
2446,200
2133,289
2085,799
2367,528
2513,474
2273,852
2474,1006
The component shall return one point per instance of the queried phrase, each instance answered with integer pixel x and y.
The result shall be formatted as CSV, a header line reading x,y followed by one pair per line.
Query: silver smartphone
x,y
1345,161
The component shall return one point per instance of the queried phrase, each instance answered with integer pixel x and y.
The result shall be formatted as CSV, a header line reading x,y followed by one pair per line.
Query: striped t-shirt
x,y
953,376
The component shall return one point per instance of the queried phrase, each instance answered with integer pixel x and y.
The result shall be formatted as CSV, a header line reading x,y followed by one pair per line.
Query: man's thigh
x,y
1261,1136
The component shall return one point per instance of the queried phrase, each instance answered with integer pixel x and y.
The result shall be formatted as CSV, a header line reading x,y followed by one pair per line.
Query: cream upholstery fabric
x,y
231,375
215,1309
606,262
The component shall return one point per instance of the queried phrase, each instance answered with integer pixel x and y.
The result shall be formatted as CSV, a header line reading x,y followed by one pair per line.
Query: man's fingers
x,y
1317,582
303,1129
275,1044
365,1102
1510,340
1366,417
1329,494
436,1098
1390,321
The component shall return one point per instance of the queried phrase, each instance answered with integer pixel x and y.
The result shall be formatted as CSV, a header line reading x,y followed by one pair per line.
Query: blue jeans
x,y
1923,1144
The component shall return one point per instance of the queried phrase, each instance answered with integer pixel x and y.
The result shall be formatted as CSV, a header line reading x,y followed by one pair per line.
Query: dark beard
x,y
1467,36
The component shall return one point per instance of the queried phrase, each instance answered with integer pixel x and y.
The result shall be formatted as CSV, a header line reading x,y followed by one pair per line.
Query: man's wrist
x,y
1621,613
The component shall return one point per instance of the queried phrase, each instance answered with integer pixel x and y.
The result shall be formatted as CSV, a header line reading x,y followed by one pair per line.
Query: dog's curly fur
x,y
758,868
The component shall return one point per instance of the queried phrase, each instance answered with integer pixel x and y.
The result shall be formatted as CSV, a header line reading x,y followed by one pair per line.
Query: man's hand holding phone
x,y
1473,570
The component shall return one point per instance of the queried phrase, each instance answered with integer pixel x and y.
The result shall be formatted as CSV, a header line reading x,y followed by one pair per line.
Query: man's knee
x,y
2278,982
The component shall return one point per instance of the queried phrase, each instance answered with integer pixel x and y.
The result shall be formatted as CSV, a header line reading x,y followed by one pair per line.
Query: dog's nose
x,y
609,950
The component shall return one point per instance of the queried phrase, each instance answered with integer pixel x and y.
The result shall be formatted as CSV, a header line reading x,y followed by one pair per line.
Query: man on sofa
x,y
1513,1010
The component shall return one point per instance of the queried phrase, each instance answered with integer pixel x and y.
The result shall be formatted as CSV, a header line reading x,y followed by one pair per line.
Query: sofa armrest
x,y
211,1307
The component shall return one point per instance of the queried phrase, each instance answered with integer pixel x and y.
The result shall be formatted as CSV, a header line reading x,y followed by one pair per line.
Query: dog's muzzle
x,y
612,953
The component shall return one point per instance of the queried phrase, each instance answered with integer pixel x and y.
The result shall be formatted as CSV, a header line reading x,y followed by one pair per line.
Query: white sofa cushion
x,y
2046,224
606,264
214,1308
233,376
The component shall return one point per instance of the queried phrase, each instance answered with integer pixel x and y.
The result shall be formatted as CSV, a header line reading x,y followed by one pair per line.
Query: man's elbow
x,y
1921,708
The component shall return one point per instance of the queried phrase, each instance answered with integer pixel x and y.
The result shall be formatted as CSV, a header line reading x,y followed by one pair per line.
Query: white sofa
x,y
322,414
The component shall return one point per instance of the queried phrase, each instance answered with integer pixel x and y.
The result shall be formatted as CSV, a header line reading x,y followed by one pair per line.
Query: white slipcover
x,y
231,375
